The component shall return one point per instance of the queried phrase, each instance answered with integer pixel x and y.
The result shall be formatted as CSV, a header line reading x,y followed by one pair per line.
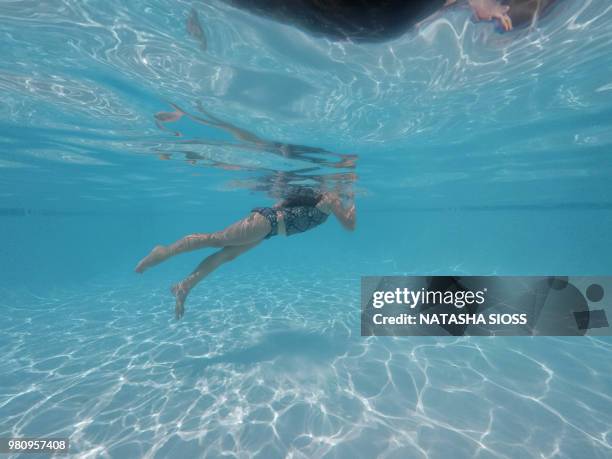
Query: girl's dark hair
x,y
301,197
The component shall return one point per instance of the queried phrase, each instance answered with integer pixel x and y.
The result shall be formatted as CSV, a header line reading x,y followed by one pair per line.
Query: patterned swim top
x,y
300,219
297,219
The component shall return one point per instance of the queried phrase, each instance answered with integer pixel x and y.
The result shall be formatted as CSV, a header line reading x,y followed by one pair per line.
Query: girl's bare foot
x,y
180,292
157,255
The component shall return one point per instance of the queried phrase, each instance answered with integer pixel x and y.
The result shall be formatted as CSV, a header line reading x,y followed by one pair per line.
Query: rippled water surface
x,y
128,124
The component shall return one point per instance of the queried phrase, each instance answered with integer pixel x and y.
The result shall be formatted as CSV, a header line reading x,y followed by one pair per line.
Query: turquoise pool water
x,y
468,151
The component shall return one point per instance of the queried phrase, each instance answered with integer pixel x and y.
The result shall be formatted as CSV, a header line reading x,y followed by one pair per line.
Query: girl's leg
x,y
208,265
250,229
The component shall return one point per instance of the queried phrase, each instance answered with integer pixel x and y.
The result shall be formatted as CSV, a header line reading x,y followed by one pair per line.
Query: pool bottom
x,y
262,367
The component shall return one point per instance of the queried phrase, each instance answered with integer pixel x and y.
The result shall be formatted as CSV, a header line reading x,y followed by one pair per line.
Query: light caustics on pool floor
x,y
263,368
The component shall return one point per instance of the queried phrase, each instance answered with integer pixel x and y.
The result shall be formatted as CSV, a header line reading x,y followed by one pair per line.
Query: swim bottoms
x,y
270,214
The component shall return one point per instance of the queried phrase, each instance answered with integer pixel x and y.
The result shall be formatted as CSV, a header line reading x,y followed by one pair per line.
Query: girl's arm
x,y
331,203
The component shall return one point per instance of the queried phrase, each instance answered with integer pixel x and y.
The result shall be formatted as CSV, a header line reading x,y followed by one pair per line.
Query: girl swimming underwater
x,y
300,212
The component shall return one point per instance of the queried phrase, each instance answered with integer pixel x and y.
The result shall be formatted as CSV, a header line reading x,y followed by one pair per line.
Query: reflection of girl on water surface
x,y
301,211
250,140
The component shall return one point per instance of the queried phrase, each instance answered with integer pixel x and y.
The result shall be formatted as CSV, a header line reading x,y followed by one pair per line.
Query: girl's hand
x,y
487,10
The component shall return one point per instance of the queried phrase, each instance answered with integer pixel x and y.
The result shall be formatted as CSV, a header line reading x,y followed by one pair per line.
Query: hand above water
x,y
487,10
